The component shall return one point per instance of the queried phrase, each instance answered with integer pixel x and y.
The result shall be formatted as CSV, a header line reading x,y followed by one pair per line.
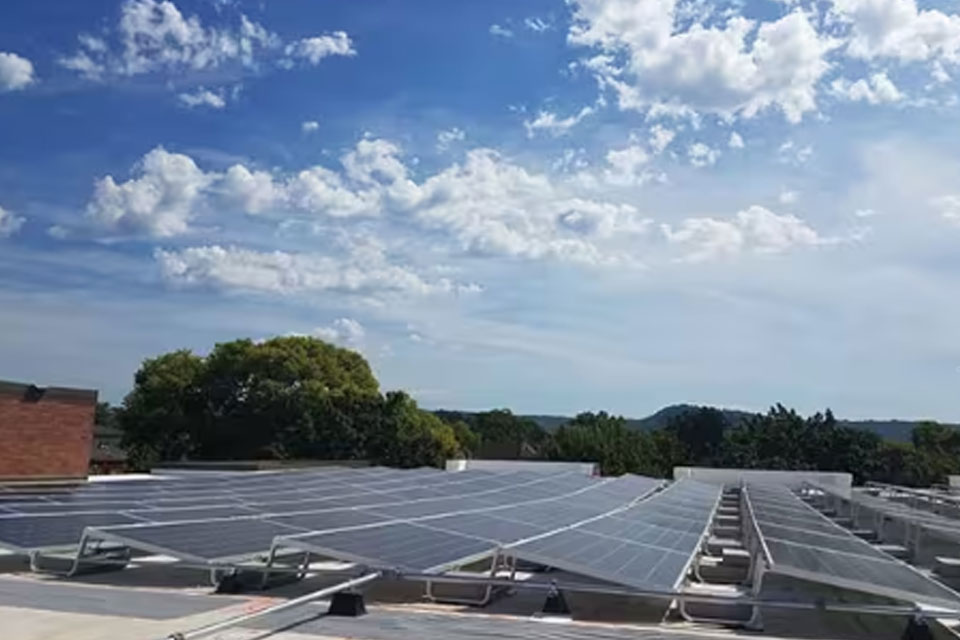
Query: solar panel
x,y
205,540
487,526
36,532
648,545
38,509
406,546
792,547
192,513
329,520
610,559
431,507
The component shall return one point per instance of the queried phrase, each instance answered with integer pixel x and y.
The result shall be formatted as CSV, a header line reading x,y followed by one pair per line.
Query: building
x,y
47,432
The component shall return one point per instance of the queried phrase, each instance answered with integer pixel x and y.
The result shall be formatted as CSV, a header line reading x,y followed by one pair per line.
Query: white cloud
x,y
491,206
364,271
701,155
653,61
864,213
875,90
754,229
16,72
154,36
736,141
536,24
553,124
343,331
160,202
9,223
502,32
486,205
788,197
253,191
660,138
897,29
204,98
317,48
939,74
791,153
309,126
948,206
628,166
448,137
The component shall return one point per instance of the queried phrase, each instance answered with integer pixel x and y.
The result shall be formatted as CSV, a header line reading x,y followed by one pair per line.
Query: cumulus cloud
x,y
754,229
876,89
628,166
364,271
500,32
317,48
701,155
788,197
160,202
791,153
201,97
494,207
735,141
448,137
309,126
538,25
553,124
344,331
948,206
16,72
652,59
154,36
898,30
9,223
484,205
660,138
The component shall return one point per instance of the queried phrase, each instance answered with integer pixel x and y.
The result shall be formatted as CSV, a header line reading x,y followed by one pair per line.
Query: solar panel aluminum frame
x,y
931,603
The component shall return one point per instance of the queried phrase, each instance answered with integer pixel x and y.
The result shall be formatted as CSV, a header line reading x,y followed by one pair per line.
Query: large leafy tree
x,y
292,397
700,434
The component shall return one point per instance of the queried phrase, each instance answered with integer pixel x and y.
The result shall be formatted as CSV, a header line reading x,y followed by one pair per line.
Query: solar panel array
x,y
600,530
56,518
431,535
799,541
408,520
648,545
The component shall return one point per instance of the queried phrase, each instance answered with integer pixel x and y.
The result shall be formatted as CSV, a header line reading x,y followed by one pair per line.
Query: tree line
x,y
302,398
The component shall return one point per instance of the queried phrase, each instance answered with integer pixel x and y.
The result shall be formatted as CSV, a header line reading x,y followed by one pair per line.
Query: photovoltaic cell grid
x,y
801,542
58,519
231,539
429,540
647,546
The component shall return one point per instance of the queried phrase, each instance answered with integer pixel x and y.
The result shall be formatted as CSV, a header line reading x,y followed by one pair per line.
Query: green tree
x,y
160,416
602,438
700,433
411,437
284,397
505,435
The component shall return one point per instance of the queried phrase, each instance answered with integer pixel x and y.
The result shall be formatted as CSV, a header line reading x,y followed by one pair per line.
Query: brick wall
x,y
45,432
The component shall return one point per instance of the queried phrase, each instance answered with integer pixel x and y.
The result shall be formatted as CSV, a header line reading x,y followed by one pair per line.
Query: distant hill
x,y
898,430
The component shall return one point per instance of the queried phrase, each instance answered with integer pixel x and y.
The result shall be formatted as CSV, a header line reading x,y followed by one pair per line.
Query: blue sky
x,y
551,206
